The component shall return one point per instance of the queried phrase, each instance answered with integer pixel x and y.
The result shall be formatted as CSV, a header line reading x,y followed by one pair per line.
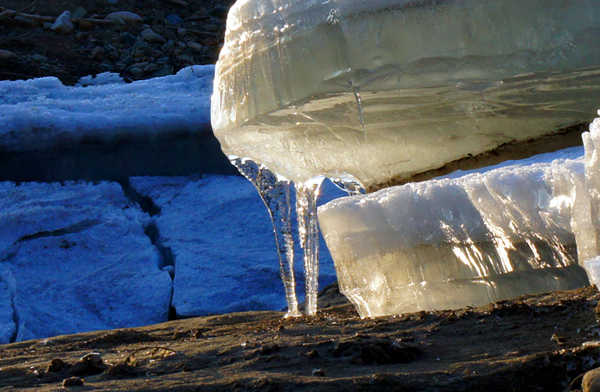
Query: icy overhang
x,y
383,90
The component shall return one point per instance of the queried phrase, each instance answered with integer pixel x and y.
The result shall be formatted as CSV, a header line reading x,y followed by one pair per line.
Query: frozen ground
x,y
81,256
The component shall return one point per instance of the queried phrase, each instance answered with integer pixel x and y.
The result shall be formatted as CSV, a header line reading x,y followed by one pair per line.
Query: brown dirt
x,y
538,342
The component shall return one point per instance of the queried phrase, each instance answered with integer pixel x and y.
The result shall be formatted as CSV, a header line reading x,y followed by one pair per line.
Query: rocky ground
x,y
137,39
534,343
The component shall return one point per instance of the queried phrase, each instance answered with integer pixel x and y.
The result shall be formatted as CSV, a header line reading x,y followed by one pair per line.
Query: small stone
x,y
150,36
181,32
80,12
63,24
318,373
591,381
173,19
195,46
169,47
39,57
94,359
210,28
210,41
85,25
118,23
186,59
129,18
56,365
129,39
72,382
313,354
97,52
5,54
150,68
136,72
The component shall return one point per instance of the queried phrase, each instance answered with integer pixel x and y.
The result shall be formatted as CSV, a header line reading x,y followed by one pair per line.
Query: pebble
x,y
129,39
85,25
136,72
72,382
150,36
210,28
97,52
195,46
591,381
128,17
118,23
80,12
184,58
6,54
210,41
63,24
173,19
39,57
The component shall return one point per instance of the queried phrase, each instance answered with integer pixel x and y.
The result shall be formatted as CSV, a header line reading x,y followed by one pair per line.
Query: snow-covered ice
x,y
222,240
74,258
43,112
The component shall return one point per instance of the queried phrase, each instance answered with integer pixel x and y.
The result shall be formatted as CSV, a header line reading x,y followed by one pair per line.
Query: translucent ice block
x,y
381,90
456,242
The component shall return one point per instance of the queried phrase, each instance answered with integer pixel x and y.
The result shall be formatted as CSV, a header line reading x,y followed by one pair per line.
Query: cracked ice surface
x,y
222,239
470,240
381,90
75,258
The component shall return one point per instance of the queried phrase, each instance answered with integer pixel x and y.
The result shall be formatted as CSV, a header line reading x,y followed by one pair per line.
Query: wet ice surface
x,y
468,240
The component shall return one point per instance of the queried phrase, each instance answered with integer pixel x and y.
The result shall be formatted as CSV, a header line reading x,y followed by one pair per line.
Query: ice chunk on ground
x,y
385,89
79,259
222,240
455,242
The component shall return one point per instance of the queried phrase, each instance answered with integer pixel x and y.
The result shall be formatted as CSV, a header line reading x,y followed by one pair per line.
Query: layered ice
x,y
382,90
469,240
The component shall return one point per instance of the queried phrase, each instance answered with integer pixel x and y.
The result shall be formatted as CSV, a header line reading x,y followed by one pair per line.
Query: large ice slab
x,y
221,238
384,89
74,258
461,241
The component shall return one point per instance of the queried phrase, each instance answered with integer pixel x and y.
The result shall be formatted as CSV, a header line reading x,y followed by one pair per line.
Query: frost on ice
x,y
372,94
